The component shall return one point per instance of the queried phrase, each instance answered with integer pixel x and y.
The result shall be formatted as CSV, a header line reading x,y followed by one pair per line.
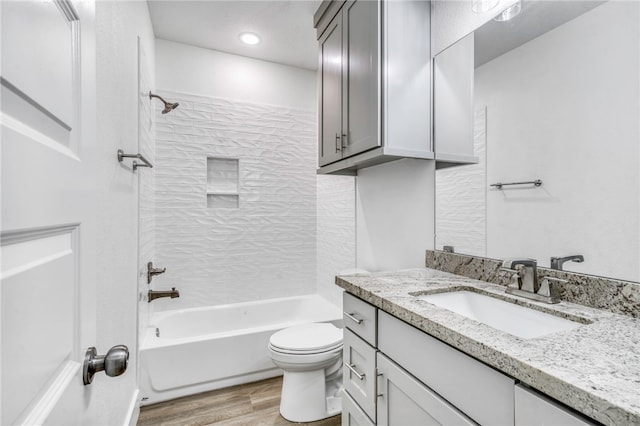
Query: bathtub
x,y
196,350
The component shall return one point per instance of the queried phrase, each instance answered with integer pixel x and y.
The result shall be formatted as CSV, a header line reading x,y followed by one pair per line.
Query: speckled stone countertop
x,y
594,368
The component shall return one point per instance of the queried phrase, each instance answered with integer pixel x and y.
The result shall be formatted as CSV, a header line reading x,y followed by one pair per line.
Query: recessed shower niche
x,y
223,182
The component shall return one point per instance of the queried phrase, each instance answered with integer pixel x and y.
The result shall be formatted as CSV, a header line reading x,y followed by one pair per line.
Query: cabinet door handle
x,y
343,143
352,318
354,371
338,144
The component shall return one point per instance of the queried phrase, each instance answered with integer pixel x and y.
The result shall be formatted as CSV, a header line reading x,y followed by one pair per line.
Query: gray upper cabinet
x,y
381,50
330,134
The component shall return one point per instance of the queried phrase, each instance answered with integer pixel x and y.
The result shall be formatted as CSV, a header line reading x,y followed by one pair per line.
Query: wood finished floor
x,y
251,404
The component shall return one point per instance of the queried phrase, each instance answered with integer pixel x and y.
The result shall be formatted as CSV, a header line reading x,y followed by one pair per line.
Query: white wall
x,y
336,232
264,114
189,69
584,144
395,214
118,24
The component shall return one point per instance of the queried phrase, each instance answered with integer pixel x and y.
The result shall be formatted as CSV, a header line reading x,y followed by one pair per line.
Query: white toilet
x,y
311,357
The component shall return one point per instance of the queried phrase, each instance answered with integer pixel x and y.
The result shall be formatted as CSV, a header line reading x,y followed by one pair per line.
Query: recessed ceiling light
x,y
481,6
249,38
509,13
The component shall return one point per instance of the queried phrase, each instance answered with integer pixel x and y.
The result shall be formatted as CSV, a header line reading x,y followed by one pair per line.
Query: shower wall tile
x,y
266,247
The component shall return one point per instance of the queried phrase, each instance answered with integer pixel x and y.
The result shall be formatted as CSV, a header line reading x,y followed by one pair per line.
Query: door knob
x,y
114,363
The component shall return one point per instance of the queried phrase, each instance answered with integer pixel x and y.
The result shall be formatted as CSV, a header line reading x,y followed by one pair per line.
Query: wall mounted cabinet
x,y
375,83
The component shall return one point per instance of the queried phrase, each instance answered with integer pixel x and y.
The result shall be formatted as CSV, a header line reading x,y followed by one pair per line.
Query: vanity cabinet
x,y
374,80
403,376
479,391
403,400
533,408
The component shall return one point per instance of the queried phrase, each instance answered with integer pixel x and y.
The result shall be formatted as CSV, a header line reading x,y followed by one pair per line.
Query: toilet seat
x,y
307,339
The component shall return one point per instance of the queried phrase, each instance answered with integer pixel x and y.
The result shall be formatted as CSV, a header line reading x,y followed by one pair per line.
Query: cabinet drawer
x,y
479,391
403,400
352,415
360,317
359,372
533,408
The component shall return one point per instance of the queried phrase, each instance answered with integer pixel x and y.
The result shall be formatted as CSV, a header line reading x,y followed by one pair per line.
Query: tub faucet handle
x,y
151,271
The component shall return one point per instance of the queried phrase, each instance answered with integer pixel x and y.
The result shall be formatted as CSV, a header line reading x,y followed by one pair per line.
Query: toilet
x,y
311,357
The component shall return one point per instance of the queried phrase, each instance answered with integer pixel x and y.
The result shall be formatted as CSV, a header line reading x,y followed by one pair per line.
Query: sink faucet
x,y
153,294
527,273
557,262
526,284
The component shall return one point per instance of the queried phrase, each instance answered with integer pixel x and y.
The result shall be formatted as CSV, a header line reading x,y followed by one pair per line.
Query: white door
x,y
48,222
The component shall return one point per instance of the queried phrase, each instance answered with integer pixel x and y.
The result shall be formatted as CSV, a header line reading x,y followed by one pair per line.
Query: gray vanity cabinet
x,y
403,400
398,375
374,80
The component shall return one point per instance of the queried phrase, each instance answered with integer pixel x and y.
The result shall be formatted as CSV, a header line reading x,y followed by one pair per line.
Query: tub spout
x,y
153,294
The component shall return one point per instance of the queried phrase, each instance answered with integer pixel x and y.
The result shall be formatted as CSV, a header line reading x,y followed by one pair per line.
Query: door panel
x,y
331,93
360,76
405,401
47,236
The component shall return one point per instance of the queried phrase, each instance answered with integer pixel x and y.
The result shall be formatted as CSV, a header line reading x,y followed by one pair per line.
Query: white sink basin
x,y
508,317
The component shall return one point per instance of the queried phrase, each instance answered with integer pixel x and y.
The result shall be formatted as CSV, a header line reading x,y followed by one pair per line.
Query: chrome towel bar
x,y
145,162
536,182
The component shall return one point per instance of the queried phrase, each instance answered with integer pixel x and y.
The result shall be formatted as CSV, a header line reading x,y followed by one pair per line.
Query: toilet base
x,y
308,397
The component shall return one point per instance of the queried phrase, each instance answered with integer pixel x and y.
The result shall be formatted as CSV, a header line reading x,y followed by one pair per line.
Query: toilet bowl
x,y
311,357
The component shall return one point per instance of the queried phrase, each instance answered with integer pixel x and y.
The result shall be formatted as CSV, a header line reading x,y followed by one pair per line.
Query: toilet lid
x,y
307,338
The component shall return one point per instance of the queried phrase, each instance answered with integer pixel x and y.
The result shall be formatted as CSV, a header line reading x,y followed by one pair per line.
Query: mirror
x,y
557,99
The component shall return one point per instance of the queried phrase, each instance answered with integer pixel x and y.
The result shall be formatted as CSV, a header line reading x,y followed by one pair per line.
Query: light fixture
x,y
481,6
510,12
249,38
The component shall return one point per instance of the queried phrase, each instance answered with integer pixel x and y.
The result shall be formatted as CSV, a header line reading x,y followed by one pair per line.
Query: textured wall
x,y
266,247
461,199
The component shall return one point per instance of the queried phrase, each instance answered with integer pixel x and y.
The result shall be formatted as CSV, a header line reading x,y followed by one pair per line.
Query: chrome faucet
x,y
153,294
557,262
527,273
524,274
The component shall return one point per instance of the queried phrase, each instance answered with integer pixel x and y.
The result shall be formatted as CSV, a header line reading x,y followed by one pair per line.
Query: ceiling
x,y
286,27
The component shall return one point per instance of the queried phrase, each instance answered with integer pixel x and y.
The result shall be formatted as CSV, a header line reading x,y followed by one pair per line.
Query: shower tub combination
x,y
196,350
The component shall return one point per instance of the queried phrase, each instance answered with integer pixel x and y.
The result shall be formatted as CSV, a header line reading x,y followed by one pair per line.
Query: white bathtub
x,y
203,349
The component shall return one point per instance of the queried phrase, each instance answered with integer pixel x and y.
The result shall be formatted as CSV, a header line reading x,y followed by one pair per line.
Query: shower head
x,y
168,106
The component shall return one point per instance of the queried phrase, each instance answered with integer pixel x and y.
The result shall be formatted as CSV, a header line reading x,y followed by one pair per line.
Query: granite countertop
x,y
594,368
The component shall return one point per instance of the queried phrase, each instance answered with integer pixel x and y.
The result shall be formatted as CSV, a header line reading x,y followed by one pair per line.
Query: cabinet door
x,y
330,146
404,401
361,105
352,415
359,373
534,409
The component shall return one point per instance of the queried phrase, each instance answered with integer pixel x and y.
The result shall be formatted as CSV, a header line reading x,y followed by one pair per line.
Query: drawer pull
x,y
352,318
354,371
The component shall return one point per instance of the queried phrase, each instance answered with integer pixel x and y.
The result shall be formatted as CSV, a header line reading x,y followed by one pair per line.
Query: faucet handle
x,y
550,287
515,275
